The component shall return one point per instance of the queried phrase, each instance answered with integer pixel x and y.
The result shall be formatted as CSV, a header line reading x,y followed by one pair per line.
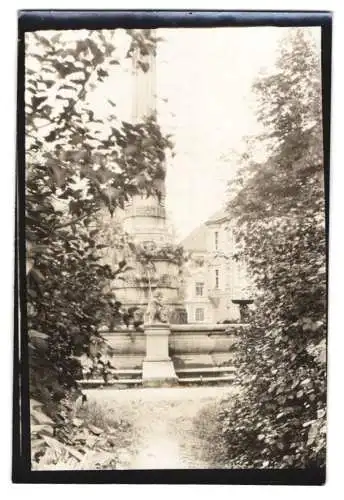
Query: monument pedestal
x,y
157,368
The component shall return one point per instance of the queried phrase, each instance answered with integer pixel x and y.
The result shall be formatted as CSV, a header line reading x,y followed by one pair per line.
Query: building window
x,y
199,289
199,314
217,278
216,240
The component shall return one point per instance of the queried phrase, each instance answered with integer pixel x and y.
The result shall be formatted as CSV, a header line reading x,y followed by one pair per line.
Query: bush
x,y
91,440
72,173
278,419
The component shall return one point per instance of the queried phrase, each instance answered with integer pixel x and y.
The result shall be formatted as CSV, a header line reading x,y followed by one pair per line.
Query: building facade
x,y
213,276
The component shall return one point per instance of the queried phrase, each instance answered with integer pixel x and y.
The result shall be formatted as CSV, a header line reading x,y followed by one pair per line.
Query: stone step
x,y
127,370
212,369
127,373
100,382
204,380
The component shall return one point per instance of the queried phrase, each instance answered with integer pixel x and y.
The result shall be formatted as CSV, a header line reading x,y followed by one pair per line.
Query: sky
x,y
204,99
207,79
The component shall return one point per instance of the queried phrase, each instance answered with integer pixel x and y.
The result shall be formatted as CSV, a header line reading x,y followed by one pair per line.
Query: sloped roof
x,y
217,216
196,241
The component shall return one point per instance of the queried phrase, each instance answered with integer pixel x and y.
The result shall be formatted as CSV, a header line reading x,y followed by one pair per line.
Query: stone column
x,y
158,369
145,86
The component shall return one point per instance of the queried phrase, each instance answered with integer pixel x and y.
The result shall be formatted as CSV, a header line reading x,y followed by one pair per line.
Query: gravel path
x,y
162,434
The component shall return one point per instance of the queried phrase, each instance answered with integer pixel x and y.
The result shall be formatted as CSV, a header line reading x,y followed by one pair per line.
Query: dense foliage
x,y
278,419
76,163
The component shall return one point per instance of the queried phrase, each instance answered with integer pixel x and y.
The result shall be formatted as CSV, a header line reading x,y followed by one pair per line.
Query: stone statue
x,y
156,311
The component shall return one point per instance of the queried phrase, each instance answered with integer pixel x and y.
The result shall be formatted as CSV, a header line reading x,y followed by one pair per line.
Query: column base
x,y
160,373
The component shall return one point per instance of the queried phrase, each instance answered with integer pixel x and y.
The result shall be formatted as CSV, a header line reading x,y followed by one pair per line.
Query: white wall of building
x,y
223,278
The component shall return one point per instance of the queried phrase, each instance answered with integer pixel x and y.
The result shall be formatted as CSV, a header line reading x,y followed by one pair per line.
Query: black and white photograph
x,y
175,301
